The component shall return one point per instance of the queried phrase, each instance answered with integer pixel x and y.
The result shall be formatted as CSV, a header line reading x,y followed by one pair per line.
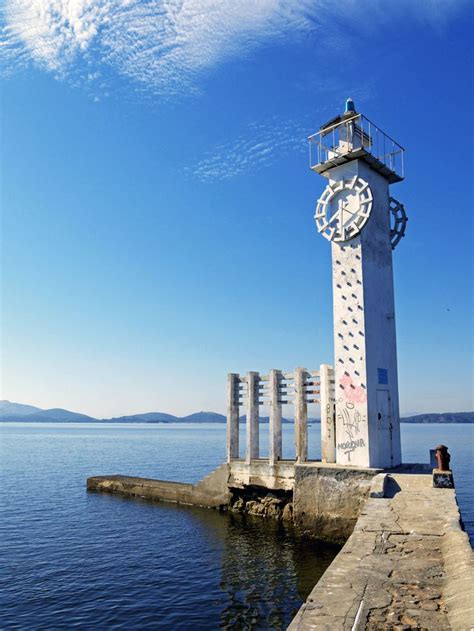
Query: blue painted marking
x,y
383,375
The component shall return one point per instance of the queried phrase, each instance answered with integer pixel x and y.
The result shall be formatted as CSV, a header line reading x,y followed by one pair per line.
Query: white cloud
x,y
262,144
258,146
162,47
162,44
165,44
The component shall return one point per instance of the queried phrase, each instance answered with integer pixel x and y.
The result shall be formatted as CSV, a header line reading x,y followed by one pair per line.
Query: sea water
x,y
72,559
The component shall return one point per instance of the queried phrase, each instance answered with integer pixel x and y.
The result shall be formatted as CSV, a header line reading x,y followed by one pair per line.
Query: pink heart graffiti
x,y
352,393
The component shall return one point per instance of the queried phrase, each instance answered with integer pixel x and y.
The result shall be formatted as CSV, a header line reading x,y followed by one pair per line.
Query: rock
x,y
238,505
287,514
255,508
274,501
274,511
269,498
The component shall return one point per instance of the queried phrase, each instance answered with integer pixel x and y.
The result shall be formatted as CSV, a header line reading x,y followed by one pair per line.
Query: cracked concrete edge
x,y
458,589
320,615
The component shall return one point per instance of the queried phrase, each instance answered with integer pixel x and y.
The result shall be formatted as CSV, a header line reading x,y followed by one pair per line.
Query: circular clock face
x,y
343,209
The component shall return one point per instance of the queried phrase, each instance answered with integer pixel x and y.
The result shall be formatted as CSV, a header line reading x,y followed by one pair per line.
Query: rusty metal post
x,y
442,457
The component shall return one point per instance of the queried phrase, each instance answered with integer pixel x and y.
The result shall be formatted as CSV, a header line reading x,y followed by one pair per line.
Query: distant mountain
x,y
18,412
31,414
59,415
7,407
149,417
203,417
445,417
162,417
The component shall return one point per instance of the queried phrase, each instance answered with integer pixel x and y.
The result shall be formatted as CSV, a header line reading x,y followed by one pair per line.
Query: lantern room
x,y
352,136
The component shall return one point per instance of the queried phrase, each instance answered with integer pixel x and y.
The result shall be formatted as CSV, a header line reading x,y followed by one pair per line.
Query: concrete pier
x,y
212,491
407,565
406,562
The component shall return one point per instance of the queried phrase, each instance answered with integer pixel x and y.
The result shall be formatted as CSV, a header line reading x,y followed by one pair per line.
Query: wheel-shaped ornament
x,y
343,209
398,222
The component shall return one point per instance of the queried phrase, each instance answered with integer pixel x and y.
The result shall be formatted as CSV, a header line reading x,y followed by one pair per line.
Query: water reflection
x,y
264,573
267,569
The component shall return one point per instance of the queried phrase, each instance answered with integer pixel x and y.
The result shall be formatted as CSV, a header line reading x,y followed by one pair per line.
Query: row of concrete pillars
x,y
274,390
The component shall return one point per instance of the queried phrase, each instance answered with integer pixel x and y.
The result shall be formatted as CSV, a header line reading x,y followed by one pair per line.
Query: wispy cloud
x,y
161,44
164,45
258,146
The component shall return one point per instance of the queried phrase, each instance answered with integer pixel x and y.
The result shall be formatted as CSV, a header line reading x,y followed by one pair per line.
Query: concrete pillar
x,y
252,417
328,418
275,446
367,414
301,416
232,416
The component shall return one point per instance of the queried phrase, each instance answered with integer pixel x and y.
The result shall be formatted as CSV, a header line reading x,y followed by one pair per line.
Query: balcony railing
x,y
356,138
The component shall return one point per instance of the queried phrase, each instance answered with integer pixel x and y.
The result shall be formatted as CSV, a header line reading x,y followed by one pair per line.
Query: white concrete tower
x,y
363,223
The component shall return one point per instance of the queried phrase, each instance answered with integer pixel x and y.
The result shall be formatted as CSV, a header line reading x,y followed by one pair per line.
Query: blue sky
x,y
157,205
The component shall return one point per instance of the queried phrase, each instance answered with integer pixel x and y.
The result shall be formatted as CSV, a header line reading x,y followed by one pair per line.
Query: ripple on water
x,y
86,561
78,560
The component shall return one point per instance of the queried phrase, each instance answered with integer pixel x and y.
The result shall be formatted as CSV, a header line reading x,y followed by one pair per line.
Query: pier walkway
x,y
407,565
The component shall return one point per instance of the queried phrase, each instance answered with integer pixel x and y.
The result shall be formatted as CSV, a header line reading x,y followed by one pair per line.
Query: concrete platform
x,y
326,499
211,491
407,565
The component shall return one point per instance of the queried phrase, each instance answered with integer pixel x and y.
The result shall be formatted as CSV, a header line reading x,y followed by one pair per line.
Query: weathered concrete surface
x,y
211,491
279,476
367,408
328,498
407,565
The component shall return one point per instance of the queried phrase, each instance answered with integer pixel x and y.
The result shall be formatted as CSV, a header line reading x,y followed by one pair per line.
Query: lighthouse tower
x,y
364,224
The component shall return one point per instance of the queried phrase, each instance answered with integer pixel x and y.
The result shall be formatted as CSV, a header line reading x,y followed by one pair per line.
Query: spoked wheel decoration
x,y
343,209
398,222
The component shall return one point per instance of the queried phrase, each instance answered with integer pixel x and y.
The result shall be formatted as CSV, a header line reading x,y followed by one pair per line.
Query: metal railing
x,y
355,137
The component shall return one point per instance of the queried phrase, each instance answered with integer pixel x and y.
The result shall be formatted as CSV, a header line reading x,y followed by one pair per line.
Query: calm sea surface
x,y
73,560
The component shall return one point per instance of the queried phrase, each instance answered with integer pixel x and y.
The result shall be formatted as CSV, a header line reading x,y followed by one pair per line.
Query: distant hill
x,y
17,412
203,417
7,407
149,417
31,414
445,417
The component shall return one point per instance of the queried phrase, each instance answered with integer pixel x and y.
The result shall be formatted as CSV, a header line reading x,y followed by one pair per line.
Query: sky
x,y
157,205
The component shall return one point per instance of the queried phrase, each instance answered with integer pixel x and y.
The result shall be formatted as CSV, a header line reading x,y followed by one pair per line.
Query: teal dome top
x,y
350,107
